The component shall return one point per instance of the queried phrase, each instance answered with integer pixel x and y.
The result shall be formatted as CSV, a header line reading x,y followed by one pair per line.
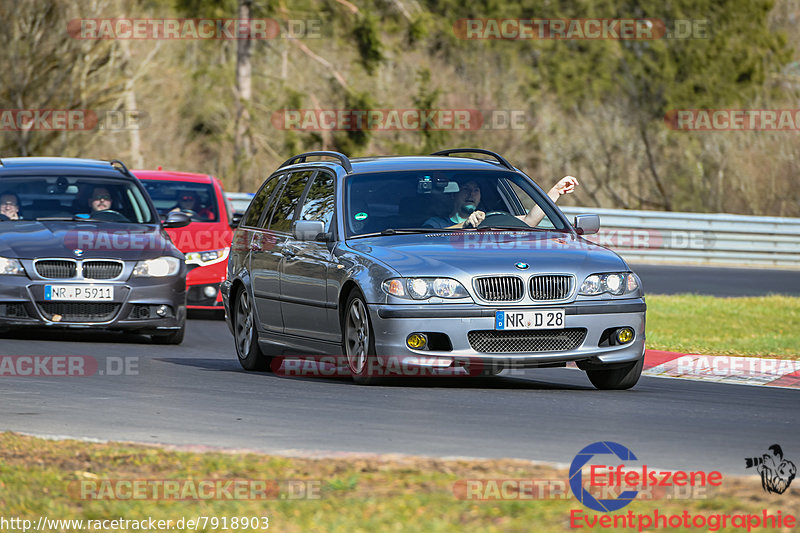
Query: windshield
x,y
195,199
79,197
442,200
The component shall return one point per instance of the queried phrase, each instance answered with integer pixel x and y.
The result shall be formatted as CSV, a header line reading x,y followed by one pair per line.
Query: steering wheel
x,y
110,215
501,218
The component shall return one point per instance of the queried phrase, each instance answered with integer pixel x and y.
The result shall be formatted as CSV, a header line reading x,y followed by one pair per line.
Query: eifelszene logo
x,y
576,476
776,472
615,482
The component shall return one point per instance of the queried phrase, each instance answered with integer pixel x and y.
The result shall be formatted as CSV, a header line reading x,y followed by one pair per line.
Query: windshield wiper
x,y
507,228
405,231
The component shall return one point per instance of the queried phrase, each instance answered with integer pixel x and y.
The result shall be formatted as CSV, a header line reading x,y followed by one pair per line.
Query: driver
x,y
466,200
100,199
187,201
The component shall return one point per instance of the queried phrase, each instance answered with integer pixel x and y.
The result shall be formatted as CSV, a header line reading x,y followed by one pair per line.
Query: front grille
x,y
78,311
101,269
491,341
16,310
56,268
550,287
499,288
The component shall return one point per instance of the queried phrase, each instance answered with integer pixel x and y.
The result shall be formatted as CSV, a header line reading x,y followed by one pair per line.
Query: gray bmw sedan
x,y
443,262
83,247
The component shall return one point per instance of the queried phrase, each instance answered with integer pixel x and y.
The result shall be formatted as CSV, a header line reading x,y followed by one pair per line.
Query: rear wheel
x,y
358,340
619,378
246,335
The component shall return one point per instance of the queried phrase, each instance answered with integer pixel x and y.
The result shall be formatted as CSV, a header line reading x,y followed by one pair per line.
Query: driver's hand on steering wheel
x,y
474,219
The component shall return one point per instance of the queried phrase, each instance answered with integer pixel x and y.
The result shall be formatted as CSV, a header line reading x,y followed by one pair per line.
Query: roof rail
x,y
119,165
500,159
345,162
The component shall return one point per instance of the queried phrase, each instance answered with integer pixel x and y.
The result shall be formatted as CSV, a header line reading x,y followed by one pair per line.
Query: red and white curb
x,y
723,368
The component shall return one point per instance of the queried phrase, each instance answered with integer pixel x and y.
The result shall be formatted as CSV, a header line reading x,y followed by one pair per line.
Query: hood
x,y
36,239
489,252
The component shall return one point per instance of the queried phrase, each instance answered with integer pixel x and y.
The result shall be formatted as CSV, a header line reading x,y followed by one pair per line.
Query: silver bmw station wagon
x,y
437,261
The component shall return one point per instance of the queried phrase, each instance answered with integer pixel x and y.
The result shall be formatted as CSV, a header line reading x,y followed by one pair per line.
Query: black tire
x,y
358,341
173,337
620,378
245,335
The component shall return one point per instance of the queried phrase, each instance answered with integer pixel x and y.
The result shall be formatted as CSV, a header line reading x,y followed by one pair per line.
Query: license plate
x,y
541,319
83,293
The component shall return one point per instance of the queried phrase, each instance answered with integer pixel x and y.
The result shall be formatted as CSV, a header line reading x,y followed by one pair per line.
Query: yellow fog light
x,y
417,341
624,335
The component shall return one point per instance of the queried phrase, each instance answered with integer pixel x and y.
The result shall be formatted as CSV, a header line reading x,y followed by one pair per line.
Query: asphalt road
x,y
662,279
197,394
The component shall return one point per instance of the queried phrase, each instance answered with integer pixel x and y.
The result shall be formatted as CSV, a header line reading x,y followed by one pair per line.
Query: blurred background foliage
x,y
593,109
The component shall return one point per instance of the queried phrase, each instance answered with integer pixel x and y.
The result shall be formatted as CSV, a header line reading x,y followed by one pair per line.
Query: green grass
x,y
357,494
767,326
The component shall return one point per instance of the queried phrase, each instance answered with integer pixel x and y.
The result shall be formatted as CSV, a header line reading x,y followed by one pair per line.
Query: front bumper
x,y
133,308
201,281
392,324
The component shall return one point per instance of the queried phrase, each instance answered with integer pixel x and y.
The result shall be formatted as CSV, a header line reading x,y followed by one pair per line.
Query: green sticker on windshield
x,y
361,216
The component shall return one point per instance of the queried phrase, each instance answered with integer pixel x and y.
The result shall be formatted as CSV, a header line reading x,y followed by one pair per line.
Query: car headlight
x,y
423,288
209,257
615,283
158,267
11,267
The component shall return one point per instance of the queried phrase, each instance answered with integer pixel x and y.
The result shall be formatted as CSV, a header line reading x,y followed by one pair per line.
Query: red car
x,y
206,241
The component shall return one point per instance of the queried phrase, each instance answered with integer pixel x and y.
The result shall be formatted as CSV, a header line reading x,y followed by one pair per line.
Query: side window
x,y
259,202
320,200
286,204
529,203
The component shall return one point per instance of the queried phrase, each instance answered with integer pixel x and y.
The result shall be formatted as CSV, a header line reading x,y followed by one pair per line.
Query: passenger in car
x,y
465,211
9,206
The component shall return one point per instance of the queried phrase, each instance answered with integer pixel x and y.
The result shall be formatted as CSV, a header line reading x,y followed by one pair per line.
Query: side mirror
x,y
308,230
587,224
236,219
177,220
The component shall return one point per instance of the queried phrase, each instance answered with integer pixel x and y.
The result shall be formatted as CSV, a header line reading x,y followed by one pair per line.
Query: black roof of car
x,y
59,165
436,161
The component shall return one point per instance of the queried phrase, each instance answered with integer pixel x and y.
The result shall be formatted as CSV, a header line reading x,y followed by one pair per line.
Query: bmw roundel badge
x,y
78,252
522,266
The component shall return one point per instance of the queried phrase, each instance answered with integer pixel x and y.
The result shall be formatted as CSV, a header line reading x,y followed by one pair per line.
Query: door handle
x,y
288,252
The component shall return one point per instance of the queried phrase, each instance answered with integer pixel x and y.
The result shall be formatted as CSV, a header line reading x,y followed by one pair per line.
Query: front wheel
x,y
620,378
358,341
246,335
